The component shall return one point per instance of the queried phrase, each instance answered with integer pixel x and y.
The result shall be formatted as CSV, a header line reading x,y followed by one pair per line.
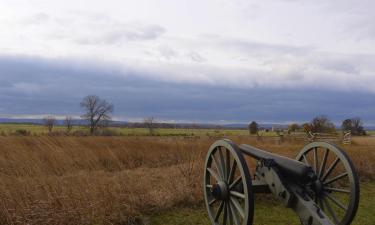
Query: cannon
x,y
320,185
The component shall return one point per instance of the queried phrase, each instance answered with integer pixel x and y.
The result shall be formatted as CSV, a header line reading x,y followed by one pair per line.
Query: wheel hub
x,y
318,187
220,191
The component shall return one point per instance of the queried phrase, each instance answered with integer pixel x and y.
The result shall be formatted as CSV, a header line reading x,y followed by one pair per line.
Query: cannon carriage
x,y
320,185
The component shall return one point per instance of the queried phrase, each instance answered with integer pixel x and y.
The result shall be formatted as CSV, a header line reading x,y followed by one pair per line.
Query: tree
x,y
97,111
253,127
321,124
68,122
358,128
149,123
354,125
49,122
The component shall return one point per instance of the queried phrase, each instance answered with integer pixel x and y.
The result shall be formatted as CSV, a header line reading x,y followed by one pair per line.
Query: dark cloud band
x,y
30,85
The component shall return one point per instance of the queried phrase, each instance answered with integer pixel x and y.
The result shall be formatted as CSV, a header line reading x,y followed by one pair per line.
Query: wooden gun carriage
x,y
320,185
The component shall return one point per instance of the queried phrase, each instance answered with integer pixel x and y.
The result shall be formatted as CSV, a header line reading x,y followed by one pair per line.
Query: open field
x,y
130,180
8,129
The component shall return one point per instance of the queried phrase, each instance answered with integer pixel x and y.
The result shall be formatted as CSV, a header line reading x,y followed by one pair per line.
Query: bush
x,y
107,132
22,132
80,133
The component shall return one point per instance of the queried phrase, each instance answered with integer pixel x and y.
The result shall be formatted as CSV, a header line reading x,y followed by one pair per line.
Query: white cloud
x,y
290,44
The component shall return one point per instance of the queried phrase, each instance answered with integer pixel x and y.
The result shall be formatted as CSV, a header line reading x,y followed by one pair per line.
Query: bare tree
x,y
149,123
321,124
354,125
97,110
68,123
49,122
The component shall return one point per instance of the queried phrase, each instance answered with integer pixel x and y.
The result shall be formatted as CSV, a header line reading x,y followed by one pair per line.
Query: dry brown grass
x,y
114,180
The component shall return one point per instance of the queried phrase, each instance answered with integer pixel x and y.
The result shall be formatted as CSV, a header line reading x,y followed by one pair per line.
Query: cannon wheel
x,y
337,189
227,185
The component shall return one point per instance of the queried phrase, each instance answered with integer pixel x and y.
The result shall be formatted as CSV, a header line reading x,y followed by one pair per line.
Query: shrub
x,y
107,132
22,132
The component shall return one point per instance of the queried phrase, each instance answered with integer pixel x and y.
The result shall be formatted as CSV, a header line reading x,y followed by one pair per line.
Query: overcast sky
x,y
193,61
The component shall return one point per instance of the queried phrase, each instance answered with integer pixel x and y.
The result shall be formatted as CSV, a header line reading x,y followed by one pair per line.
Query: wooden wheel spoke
x,y
237,206
336,178
235,218
225,213
338,190
218,167
337,202
219,210
331,168
235,182
316,160
237,194
217,177
305,159
230,215
222,161
324,162
212,202
227,164
232,171
330,210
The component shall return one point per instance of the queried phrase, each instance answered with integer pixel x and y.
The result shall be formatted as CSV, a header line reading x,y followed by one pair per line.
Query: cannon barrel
x,y
289,167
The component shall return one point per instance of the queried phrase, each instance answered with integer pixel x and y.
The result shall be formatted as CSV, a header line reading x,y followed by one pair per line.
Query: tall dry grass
x,y
114,180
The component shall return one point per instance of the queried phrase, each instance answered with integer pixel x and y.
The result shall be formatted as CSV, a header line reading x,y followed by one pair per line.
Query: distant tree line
x,y
320,124
97,114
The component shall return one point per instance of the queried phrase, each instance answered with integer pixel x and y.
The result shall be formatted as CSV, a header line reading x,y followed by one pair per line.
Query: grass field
x,y
131,180
35,130
7,129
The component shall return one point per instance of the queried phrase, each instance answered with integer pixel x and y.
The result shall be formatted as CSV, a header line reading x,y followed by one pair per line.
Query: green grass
x,y
267,212
33,129
6,129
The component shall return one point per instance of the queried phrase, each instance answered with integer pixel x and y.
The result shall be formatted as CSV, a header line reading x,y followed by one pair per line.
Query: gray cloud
x,y
196,57
40,86
124,33
254,48
92,29
167,52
